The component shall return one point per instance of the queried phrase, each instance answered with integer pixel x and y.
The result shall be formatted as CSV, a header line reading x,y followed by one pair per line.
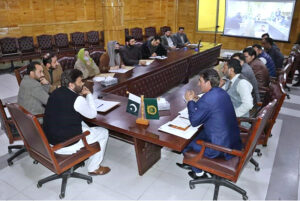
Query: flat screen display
x,y
252,18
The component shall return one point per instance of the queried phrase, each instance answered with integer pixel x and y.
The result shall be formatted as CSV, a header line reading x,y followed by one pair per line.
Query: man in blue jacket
x,y
215,111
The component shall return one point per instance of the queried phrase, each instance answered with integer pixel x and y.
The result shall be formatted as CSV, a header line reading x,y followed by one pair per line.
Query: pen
x,y
100,105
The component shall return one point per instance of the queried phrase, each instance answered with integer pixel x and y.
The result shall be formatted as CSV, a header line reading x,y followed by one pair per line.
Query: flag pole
x,y
142,120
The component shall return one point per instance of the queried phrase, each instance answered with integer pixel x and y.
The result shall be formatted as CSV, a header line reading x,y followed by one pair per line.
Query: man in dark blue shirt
x,y
215,111
266,59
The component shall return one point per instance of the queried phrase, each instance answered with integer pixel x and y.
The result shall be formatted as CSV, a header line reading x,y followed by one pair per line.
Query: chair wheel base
x,y
39,185
192,186
259,154
90,181
245,197
9,151
257,169
61,196
35,162
10,163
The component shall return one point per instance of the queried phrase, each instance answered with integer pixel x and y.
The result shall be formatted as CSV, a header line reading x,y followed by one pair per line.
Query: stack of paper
x,y
176,130
158,57
122,70
148,61
104,106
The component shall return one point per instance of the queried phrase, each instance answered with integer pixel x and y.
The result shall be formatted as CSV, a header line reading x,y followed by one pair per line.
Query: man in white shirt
x,y
63,119
238,88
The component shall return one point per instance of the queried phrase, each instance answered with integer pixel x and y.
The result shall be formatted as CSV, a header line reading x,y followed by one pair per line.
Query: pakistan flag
x,y
151,108
133,105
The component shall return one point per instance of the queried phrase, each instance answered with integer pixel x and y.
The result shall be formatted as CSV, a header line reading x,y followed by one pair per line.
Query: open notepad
x,y
176,127
122,70
104,106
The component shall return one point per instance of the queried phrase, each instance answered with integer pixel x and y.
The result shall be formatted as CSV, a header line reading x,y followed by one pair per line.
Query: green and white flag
x,y
151,108
133,105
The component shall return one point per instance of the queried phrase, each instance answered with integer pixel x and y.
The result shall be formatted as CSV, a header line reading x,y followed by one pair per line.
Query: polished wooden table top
x,y
121,121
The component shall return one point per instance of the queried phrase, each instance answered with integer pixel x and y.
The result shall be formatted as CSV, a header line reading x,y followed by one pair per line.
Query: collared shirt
x,y
244,89
170,42
182,39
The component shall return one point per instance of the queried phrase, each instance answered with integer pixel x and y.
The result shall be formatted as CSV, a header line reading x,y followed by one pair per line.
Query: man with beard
x,y
52,71
238,88
34,88
168,42
181,38
130,53
63,119
153,48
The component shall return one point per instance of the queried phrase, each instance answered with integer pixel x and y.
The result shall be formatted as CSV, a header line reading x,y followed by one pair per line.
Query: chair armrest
x,y
39,115
70,141
219,148
246,119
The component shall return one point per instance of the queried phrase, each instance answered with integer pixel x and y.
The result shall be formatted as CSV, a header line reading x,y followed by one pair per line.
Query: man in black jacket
x,y
131,54
152,48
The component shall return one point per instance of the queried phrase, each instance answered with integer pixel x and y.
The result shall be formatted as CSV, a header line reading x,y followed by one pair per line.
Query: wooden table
x,y
153,81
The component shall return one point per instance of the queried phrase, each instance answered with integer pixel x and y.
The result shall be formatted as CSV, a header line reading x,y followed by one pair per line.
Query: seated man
x,y
274,52
152,48
238,88
213,108
168,42
52,71
34,88
130,53
266,59
63,119
260,70
181,38
249,74
266,35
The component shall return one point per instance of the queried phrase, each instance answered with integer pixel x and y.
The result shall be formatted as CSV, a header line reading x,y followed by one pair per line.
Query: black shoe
x,y
296,84
184,166
193,175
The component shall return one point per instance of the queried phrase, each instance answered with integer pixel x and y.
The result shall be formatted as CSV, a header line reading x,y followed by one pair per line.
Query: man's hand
x,y
143,63
44,81
189,95
154,55
85,91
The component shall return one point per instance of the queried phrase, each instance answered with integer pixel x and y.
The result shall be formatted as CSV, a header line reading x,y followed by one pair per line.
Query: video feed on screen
x,y
252,18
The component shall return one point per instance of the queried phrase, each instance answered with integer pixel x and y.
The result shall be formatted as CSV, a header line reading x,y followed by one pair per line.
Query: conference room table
x,y
170,79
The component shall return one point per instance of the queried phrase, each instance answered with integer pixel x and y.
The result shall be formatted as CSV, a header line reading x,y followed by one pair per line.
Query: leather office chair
x,y
27,48
12,134
61,42
95,55
20,72
283,74
45,43
150,31
225,172
77,40
93,40
39,148
137,33
295,66
67,62
9,51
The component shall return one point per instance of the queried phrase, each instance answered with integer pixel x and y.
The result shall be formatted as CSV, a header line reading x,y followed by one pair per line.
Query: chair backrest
x,y
77,38
8,125
256,129
283,75
150,31
137,33
61,40
9,46
95,55
164,29
67,62
20,72
33,135
126,32
93,37
45,42
26,44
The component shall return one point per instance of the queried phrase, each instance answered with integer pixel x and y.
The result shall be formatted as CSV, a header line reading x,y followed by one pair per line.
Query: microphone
x,y
199,44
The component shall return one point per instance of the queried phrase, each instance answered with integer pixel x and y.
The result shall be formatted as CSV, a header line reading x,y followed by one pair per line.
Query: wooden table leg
x,y
147,154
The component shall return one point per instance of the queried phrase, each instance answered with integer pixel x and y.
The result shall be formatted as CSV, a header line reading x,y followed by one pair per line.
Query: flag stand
x,y
142,119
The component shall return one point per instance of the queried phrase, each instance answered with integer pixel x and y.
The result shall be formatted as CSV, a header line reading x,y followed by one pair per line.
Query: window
x,y
207,14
